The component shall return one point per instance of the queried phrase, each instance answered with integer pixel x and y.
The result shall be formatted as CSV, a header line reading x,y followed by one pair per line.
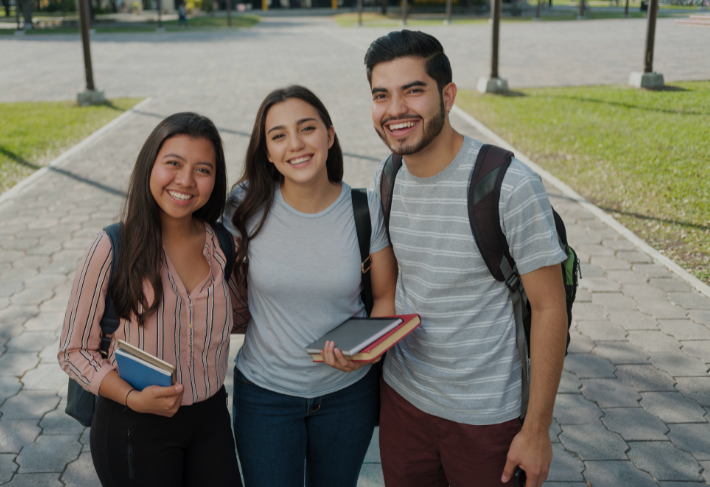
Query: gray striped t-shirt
x,y
461,364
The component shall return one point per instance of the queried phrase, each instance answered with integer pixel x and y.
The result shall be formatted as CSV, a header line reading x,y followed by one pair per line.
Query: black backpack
x,y
81,404
483,198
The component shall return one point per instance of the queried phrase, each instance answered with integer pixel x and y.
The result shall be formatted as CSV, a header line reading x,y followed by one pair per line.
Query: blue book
x,y
140,369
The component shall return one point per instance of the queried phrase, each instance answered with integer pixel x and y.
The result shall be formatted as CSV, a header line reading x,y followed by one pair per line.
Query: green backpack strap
x,y
363,227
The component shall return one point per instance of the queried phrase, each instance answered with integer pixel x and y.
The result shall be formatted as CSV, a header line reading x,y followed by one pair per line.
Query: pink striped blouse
x,y
190,331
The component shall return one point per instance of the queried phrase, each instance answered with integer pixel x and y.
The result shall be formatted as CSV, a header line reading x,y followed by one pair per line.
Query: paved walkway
x,y
634,402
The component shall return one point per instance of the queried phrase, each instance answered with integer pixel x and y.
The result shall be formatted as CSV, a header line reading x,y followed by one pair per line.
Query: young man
x,y
451,391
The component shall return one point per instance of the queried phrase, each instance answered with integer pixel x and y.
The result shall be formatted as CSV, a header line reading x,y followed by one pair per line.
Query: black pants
x,y
193,448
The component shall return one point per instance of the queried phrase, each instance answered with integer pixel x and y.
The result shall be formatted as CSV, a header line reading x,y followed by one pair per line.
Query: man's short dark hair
x,y
408,43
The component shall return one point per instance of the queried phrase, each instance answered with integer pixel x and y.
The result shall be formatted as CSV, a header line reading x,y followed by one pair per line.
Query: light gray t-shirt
x,y
461,364
304,280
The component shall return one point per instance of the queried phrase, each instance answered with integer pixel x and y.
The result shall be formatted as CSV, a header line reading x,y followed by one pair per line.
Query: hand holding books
x,y
163,401
335,358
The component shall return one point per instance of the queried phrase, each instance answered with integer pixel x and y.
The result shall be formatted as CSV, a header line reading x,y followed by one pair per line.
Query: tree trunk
x,y
6,4
384,7
27,13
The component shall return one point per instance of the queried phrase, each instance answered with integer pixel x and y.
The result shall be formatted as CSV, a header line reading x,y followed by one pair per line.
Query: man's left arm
x,y
531,449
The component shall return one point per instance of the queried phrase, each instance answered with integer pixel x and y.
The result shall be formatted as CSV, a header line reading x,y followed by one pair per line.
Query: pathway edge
x,y
64,156
595,210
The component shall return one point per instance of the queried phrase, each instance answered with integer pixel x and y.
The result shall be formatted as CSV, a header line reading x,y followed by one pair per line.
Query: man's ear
x,y
331,136
449,95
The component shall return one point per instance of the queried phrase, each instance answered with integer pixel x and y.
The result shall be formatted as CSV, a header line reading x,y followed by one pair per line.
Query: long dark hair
x,y
261,176
141,233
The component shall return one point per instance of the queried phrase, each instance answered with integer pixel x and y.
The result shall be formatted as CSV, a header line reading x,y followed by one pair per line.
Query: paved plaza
x,y
634,402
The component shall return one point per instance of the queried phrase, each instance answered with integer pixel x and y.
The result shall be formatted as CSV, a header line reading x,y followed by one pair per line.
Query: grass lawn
x,y
643,156
34,133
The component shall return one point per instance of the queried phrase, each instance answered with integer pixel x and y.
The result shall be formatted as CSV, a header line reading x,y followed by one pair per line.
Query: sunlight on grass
x,y
641,155
34,133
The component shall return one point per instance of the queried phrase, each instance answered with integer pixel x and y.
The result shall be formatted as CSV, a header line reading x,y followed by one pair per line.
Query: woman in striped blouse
x,y
173,302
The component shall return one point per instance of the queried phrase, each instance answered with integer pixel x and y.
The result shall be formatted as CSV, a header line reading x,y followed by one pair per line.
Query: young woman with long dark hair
x,y
173,302
295,217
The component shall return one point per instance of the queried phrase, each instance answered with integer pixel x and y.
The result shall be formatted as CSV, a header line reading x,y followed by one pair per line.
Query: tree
x,y
27,13
6,4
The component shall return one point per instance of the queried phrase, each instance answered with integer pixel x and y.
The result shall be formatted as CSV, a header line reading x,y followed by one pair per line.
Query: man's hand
x,y
335,358
532,451
163,401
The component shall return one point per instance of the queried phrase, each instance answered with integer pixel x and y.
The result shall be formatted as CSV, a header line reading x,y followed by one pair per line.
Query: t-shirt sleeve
x,y
526,220
378,238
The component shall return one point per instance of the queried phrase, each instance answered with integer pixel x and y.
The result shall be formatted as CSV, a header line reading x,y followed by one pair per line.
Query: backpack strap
x,y
363,227
110,321
389,173
226,243
484,217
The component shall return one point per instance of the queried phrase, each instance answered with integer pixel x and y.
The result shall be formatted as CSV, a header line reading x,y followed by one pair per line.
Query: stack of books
x,y
141,369
365,339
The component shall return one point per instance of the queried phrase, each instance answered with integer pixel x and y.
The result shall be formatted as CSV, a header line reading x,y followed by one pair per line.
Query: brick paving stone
x,y
579,343
48,377
58,422
49,353
17,314
699,316
619,244
35,480
609,262
616,474
588,311
621,353
664,461
646,378
664,310
635,424
49,453
555,431
590,270
698,349
30,341
583,296
575,409
593,442
690,301
693,438
29,405
633,320
45,322
678,364
589,366
373,453
7,467
682,484
653,270
614,301
634,257
644,292
599,284
595,249
565,466
684,329
16,364
696,388
706,471
671,285
653,341
610,393
16,434
9,386
601,330
8,287
569,383
627,277
672,407
371,476
30,296
81,473
85,439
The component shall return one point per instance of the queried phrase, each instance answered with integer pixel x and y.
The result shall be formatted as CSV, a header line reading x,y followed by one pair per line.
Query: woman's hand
x,y
335,358
163,401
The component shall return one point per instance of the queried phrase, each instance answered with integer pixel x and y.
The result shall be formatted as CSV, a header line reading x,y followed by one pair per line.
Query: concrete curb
x,y
595,210
25,183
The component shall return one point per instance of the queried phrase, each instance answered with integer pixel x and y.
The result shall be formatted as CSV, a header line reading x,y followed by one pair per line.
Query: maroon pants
x,y
421,450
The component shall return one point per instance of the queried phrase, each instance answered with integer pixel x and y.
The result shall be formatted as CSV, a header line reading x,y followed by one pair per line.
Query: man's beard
x,y
431,130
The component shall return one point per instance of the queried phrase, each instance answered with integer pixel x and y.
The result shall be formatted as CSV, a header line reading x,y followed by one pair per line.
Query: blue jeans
x,y
281,439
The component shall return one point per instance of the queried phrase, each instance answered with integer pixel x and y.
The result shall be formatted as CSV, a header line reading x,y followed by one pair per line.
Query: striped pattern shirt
x,y
190,331
461,364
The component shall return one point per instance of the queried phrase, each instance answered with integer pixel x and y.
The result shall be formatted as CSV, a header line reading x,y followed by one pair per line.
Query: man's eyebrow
x,y
413,84
379,90
174,156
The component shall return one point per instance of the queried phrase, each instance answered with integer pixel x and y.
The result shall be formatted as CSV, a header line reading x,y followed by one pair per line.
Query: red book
x,y
379,347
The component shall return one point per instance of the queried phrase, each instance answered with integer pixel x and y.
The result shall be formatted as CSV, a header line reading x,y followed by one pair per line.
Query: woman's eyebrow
x,y
206,163
304,120
176,156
